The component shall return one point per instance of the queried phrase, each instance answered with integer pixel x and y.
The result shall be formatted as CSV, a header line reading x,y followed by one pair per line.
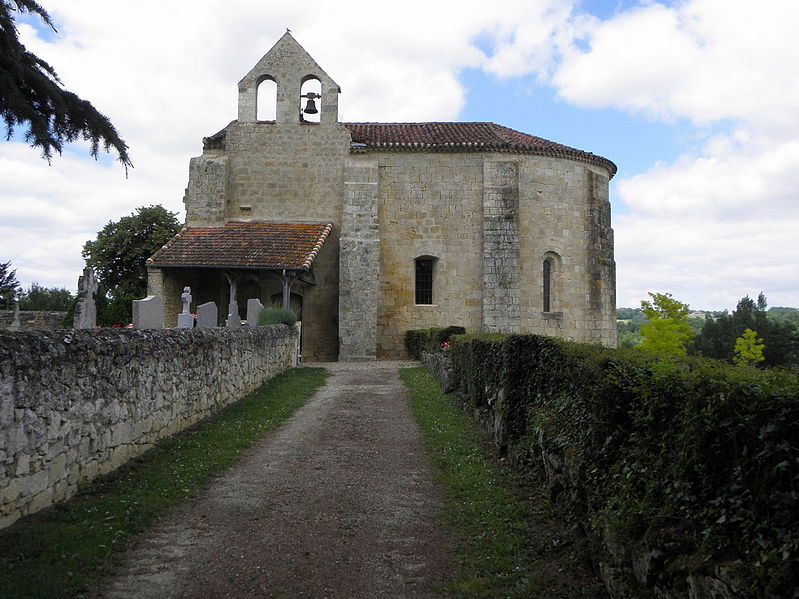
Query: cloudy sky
x,y
696,101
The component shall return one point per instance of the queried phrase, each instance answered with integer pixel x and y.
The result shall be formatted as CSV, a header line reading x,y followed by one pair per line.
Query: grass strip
x,y
60,551
482,501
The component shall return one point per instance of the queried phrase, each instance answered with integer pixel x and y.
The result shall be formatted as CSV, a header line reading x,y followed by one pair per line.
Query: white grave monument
x,y
185,318
254,307
148,313
207,315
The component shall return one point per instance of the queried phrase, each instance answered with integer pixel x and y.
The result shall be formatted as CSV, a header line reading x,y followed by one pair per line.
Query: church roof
x,y
460,137
248,245
450,137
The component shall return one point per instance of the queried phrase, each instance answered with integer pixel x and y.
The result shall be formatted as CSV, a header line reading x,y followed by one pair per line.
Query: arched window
x,y
425,266
310,100
550,282
547,286
266,100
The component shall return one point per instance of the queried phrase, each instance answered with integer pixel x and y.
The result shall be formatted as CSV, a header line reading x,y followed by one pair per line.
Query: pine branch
x,y
31,94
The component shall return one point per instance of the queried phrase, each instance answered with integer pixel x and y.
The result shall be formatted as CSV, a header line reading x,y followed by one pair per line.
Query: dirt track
x,y
338,502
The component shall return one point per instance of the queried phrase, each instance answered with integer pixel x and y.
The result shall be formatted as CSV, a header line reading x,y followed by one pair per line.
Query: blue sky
x,y
696,101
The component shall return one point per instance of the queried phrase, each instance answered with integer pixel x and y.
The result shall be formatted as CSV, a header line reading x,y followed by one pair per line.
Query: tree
x,y
31,94
8,286
748,349
119,253
719,335
41,298
667,330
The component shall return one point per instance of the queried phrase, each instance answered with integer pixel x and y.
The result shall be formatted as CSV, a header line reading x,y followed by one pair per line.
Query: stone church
x,y
371,229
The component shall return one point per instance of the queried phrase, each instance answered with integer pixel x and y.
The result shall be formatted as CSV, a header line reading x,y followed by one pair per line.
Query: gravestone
x,y
254,307
185,318
85,309
233,320
15,324
148,313
207,315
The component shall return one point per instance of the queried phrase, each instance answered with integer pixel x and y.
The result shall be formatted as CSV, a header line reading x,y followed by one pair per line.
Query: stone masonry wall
x,y
76,404
501,291
430,204
33,320
490,220
206,193
359,263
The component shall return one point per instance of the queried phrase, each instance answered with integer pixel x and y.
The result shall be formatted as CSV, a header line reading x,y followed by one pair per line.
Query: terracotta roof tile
x,y
256,245
460,137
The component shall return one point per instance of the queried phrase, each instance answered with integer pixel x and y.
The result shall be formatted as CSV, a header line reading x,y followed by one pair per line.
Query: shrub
x,y
421,341
271,315
692,458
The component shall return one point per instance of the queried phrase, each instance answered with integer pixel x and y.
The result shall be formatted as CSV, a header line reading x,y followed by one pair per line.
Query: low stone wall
x,y
76,404
33,320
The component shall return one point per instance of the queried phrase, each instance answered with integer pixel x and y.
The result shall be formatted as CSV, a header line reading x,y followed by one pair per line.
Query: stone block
x,y
254,307
207,315
148,313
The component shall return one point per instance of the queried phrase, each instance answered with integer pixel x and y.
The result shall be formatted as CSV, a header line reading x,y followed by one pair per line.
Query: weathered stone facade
x,y
487,214
75,404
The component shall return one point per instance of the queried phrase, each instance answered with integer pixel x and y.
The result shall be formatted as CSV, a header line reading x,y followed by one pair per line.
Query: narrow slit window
x,y
424,280
547,286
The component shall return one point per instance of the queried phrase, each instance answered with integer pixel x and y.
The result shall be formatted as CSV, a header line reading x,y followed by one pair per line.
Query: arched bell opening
x,y
310,100
266,100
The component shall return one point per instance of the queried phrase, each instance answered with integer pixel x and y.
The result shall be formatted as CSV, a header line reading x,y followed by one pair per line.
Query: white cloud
x,y
721,222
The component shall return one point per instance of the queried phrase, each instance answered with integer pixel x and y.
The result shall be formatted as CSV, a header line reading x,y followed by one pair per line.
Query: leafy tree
x,y
667,330
748,349
8,286
784,315
719,335
41,298
119,254
31,94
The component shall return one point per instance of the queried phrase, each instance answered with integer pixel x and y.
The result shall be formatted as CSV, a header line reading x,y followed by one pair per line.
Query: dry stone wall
x,y
76,404
33,320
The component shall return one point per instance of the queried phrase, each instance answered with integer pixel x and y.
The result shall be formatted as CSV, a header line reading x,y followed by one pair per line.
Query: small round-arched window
x,y
266,100
423,288
550,282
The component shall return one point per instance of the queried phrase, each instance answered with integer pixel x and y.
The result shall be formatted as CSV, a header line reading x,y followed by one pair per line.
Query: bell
x,y
310,107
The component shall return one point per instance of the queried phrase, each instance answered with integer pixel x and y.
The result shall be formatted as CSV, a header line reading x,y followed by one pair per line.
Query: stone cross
x,y
233,319
185,319
85,309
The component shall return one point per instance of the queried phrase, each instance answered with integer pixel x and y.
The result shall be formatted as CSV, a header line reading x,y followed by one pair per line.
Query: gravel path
x,y
338,502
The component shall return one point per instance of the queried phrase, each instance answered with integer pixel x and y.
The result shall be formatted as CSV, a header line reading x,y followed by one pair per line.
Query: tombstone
x,y
85,309
148,313
254,307
185,318
207,315
233,320
15,324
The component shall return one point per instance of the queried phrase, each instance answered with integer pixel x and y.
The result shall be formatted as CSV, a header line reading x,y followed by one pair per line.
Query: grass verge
x,y
60,551
483,503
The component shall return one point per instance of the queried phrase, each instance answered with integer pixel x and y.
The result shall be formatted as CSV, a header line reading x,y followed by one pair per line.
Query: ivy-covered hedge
x,y
684,473
421,341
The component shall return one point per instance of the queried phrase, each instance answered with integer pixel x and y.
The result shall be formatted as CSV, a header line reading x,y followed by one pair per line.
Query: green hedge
x,y
421,341
691,460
